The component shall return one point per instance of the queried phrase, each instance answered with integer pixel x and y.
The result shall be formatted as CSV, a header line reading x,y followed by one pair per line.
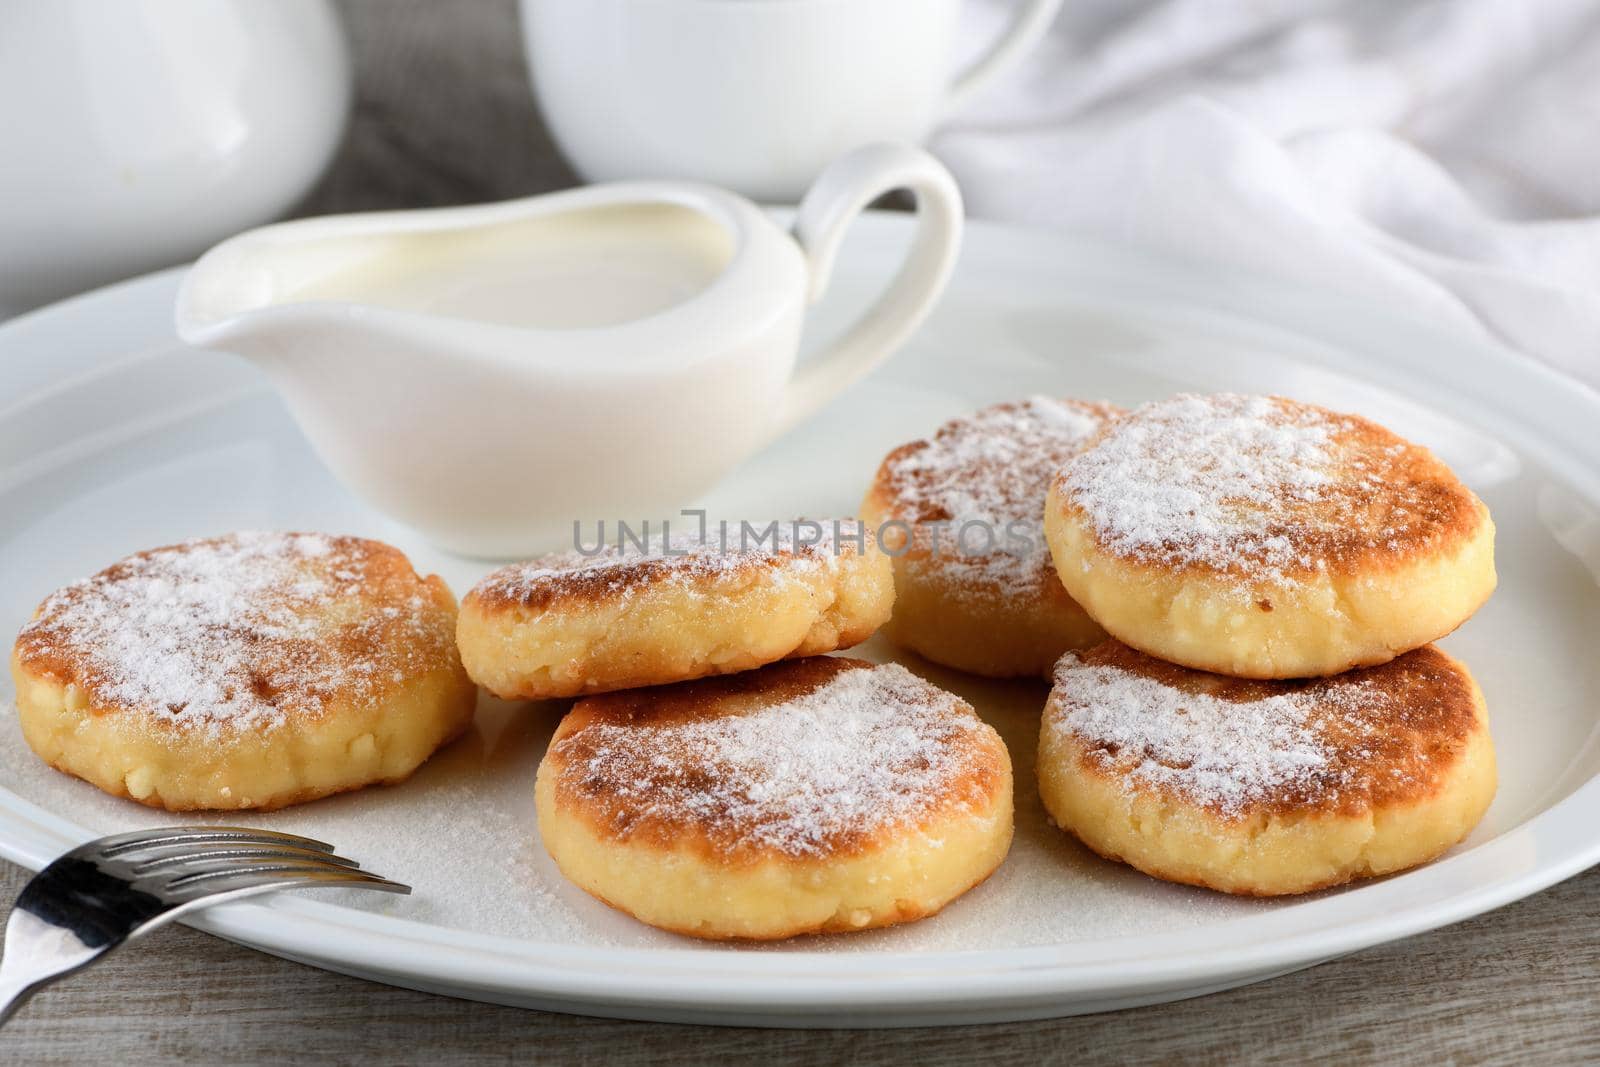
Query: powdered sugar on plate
x,y
1220,480
236,631
985,476
870,748
462,832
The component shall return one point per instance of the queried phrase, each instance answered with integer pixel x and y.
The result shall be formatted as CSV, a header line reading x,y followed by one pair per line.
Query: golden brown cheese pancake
x,y
1265,787
1266,538
817,795
974,585
253,670
569,624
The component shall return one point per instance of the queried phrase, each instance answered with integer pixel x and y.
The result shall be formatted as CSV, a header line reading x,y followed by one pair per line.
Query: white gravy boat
x,y
491,374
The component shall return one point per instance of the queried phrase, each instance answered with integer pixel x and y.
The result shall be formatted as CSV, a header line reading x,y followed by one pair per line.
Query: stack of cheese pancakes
x,y
721,777
1245,590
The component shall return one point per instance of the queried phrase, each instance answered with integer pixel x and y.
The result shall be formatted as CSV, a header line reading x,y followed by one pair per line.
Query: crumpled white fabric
x,y
1439,156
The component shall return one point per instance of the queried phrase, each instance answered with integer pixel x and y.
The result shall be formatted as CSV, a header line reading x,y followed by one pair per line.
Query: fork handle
x,y
17,984
38,953
15,991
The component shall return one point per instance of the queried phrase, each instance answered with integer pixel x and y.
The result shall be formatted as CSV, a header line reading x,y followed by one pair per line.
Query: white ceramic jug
x,y
491,375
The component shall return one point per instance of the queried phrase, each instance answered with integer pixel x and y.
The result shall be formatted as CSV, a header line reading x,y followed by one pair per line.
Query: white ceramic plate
x,y
112,439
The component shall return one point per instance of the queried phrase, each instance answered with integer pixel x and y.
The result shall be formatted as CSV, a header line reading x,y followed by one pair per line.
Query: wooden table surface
x,y
443,116
1518,985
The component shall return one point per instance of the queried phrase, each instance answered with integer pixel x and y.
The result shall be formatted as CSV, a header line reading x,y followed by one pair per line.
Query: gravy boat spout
x,y
492,375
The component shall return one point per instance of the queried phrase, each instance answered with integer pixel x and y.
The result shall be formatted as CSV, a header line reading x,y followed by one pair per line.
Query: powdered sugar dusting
x,y
868,749
990,471
619,563
228,632
1216,480
1225,754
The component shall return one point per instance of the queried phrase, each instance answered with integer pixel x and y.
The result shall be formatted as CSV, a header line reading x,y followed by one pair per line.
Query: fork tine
x,y
203,868
87,902
186,855
137,840
212,883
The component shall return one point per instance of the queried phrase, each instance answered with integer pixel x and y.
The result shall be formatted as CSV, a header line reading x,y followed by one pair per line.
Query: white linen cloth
x,y
1442,156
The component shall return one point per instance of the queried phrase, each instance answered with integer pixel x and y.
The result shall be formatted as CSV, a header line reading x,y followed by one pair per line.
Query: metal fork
x,y
113,889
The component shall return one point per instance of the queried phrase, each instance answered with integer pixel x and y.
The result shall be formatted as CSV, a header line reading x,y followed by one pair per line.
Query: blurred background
x,y
1437,156
442,111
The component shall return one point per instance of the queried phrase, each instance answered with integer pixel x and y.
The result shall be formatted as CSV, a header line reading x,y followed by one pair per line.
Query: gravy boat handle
x,y
832,203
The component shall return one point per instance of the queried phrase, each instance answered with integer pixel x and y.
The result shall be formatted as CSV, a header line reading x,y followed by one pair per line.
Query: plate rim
x,y
975,983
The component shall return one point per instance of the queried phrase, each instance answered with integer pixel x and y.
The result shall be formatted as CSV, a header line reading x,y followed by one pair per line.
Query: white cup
x,y
752,95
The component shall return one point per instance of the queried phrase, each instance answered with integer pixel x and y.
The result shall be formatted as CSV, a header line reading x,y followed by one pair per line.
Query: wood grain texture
x,y
444,116
1518,985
